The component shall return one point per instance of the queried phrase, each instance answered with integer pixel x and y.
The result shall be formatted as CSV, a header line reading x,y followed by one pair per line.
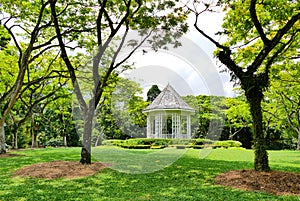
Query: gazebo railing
x,y
170,136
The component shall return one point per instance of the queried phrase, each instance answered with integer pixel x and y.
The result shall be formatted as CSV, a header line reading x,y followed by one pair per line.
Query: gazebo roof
x,y
168,99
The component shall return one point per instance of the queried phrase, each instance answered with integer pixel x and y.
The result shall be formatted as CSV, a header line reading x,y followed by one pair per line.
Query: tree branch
x,y
65,57
257,24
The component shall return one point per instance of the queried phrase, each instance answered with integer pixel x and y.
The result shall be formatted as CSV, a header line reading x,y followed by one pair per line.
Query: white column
x,y
173,125
158,125
149,126
188,124
178,124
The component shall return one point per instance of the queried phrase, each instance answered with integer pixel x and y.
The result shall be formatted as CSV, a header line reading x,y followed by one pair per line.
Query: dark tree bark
x,y
255,97
87,138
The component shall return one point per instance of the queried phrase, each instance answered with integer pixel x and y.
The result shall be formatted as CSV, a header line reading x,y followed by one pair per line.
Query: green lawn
x,y
188,178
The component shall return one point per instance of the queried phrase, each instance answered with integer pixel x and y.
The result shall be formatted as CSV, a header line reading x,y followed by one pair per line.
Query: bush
x,y
202,141
181,141
198,146
112,142
135,142
55,143
227,144
157,147
139,146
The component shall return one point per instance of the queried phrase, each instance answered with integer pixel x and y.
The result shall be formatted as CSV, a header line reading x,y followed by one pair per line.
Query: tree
x,y
30,21
266,33
152,93
120,116
238,115
103,21
209,115
283,99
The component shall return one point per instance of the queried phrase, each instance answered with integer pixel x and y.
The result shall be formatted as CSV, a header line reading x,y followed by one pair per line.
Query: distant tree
x,y
282,102
152,93
237,114
120,115
209,115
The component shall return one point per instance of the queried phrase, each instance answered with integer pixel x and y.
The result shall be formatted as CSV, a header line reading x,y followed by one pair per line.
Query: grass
x,y
187,178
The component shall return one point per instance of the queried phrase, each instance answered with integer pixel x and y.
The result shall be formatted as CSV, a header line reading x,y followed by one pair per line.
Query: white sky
x,y
190,69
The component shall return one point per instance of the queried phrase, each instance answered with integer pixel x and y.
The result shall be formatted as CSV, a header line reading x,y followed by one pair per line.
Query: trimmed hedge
x,y
202,141
139,146
112,142
227,144
159,143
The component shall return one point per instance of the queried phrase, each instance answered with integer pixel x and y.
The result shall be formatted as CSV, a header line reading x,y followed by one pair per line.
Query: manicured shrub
x,y
202,141
157,147
182,146
181,141
197,146
112,142
139,146
227,144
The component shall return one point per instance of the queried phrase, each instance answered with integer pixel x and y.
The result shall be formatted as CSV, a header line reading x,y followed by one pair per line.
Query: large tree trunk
x,y
87,138
254,97
2,140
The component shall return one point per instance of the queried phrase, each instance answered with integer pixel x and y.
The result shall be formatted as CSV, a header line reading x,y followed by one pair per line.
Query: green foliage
x,y
4,37
271,14
120,116
152,93
209,111
135,146
238,112
112,142
227,144
202,141
55,142
281,105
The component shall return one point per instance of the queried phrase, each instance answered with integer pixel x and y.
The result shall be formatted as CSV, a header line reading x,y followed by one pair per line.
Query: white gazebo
x,y
168,116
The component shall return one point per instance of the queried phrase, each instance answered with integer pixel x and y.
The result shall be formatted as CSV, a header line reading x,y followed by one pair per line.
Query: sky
x,y
190,69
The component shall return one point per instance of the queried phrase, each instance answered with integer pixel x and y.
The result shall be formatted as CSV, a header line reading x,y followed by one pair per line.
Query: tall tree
x,y
258,34
108,21
29,27
152,93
